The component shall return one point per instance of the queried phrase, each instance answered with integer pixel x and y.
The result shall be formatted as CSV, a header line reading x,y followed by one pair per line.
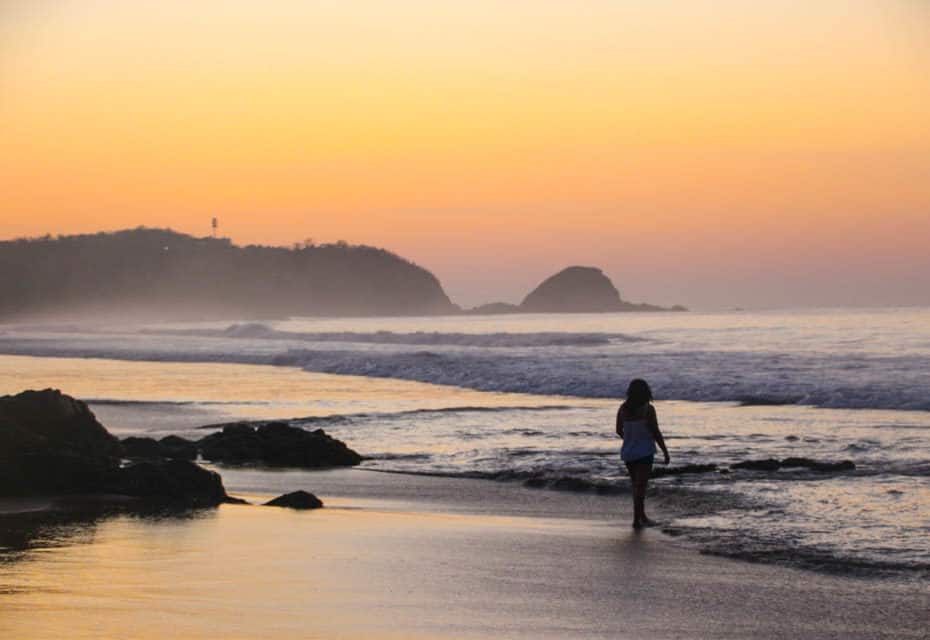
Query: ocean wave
x,y
173,403
897,383
768,401
258,331
398,456
771,550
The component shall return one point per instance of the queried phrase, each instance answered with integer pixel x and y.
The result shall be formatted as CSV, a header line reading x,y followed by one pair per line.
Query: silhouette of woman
x,y
638,426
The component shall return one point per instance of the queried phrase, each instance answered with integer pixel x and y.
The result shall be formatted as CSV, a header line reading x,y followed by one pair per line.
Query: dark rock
x,y
569,483
50,418
167,447
814,465
135,447
236,443
535,483
53,472
769,464
580,289
277,444
178,447
296,500
52,443
179,481
659,472
574,289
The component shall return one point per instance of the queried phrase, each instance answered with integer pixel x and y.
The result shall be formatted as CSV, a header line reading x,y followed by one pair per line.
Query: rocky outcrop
x,y
296,500
661,472
169,481
580,290
277,444
152,449
772,464
52,444
177,447
144,448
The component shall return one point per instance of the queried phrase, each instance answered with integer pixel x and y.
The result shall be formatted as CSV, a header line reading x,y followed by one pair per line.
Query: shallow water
x,y
856,369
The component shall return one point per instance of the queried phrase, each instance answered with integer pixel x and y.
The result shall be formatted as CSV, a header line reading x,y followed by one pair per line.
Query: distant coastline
x,y
160,274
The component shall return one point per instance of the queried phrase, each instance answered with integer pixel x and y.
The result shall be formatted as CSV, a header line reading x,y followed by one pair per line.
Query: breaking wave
x,y
579,364
258,331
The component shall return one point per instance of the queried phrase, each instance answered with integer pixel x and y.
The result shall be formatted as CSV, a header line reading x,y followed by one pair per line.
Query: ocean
x,y
532,399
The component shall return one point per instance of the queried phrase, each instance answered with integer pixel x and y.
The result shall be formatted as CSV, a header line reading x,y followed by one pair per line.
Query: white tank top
x,y
637,440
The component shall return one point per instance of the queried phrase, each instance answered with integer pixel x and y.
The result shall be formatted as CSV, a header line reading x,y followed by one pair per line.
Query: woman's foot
x,y
646,522
637,525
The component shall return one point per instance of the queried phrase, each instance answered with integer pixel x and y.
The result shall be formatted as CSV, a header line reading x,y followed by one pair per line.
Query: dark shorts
x,y
645,460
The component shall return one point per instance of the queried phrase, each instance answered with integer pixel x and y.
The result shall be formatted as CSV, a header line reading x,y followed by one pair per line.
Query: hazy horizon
x,y
714,154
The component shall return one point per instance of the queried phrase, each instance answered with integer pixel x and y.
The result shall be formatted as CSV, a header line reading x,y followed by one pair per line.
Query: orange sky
x,y
712,153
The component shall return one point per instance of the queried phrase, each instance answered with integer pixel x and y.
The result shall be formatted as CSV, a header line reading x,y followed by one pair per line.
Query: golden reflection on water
x,y
245,391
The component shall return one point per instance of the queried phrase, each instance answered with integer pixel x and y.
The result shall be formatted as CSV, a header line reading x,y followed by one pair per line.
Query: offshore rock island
x,y
581,290
572,290
160,274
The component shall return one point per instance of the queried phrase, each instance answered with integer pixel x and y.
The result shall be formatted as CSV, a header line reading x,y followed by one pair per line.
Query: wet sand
x,y
419,557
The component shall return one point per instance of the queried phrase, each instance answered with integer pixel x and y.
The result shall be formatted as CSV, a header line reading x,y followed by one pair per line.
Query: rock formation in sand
x,y
52,444
296,500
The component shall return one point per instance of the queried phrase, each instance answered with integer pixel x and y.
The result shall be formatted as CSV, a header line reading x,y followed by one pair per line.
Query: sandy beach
x,y
399,556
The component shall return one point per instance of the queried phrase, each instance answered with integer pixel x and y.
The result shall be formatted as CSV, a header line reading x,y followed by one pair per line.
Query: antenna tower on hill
x,y
214,224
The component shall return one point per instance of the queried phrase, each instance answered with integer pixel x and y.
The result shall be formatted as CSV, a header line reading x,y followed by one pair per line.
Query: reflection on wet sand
x,y
364,568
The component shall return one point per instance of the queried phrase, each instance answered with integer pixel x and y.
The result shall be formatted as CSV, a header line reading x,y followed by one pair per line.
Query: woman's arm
x,y
653,423
619,422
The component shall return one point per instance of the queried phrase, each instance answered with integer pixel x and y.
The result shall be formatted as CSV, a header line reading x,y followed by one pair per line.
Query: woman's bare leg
x,y
644,474
639,476
633,470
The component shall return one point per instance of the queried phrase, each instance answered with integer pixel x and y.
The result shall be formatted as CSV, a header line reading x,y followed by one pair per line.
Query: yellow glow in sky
x,y
672,144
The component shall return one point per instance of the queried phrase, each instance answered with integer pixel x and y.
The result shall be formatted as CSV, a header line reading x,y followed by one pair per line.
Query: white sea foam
x,y
260,331
767,365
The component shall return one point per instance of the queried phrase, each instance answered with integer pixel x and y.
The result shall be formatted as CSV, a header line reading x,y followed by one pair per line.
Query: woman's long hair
x,y
638,395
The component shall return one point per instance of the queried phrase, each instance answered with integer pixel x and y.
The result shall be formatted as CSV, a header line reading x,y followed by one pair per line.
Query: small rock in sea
x,y
296,500
277,444
659,472
769,464
816,465
791,438
535,483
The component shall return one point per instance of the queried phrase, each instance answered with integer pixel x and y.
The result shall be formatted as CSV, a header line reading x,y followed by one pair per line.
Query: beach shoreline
x,y
410,556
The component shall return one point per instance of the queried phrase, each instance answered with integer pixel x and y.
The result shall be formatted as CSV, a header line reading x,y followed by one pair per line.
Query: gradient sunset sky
x,y
709,153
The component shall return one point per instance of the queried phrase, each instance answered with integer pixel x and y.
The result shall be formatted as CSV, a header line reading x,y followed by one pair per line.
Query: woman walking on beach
x,y
638,426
